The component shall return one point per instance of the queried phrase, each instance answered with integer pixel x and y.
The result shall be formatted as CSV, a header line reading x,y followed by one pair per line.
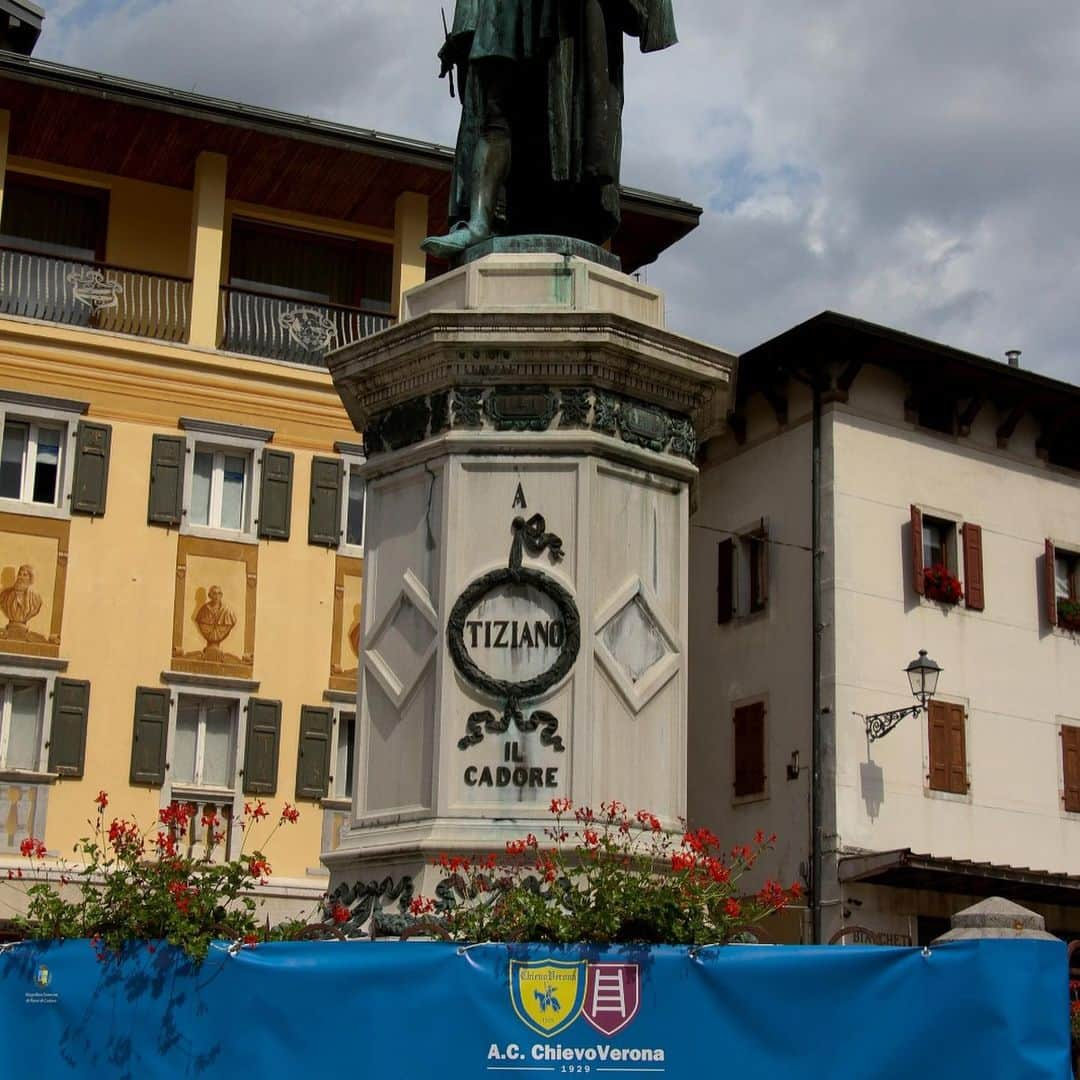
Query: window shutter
x,y
974,590
1050,583
725,582
313,759
1070,753
750,749
91,476
166,480
67,738
150,735
261,747
275,495
917,564
324,517
957,750
938,721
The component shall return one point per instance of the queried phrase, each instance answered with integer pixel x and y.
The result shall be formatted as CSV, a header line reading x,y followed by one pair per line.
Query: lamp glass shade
x,y
923,675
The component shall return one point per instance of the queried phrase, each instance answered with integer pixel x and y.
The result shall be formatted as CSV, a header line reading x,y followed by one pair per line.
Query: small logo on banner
x,y
548,995
612,996
43,977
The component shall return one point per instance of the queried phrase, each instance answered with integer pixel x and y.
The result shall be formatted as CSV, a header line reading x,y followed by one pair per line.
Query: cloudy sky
x,y
915,163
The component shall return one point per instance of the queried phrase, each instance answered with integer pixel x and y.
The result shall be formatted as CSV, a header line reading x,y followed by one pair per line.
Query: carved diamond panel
x,y
404,642
635,644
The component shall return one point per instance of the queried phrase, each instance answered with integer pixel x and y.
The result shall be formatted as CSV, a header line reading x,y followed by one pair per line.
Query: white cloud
x,y
909,163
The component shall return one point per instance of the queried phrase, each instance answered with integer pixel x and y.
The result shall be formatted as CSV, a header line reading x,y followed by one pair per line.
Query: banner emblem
x,y
548,995
612,996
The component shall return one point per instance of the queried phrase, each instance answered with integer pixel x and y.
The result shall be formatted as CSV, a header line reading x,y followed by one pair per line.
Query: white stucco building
x,y
927,456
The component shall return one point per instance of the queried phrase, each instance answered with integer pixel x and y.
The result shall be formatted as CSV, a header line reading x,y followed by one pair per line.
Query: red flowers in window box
x,y
941,584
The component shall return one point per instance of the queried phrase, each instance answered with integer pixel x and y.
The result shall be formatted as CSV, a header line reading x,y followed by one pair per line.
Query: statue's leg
x,y
490,163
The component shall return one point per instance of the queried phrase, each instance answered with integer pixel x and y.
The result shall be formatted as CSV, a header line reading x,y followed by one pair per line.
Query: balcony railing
x,y
94,294
263,325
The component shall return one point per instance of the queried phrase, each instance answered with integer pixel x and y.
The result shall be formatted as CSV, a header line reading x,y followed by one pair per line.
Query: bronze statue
x,y
541,84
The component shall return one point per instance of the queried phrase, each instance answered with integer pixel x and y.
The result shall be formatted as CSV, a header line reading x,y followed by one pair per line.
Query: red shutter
x,y
750,749
938,719
957,751
917,565
1070,753
974,591
1050,583
725,582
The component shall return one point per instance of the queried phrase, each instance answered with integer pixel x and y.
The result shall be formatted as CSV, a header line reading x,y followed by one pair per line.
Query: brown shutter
x,y
974,591
166,479
1050,583
957,750
1070,755
150,735
725,582
759,571
324,515
938,722
750,749
917,565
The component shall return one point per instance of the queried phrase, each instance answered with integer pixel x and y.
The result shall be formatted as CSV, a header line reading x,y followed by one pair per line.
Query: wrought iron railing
x,y
94,294
260,324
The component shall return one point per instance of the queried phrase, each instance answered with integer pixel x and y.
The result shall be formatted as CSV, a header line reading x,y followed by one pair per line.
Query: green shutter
x,y
275,494
313,759
91,479
166,479
67,739
261,747
150,736
324,517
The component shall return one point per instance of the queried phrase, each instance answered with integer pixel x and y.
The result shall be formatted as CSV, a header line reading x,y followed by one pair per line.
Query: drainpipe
x,y
816,800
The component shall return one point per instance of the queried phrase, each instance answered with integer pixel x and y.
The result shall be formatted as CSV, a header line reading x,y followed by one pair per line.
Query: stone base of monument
x,y
540,244
531,430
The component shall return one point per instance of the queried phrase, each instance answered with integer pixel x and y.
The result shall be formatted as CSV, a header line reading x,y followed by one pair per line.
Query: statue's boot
x,y
491,167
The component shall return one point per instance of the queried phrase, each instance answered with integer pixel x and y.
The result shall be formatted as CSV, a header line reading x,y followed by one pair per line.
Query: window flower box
x,y
1068,613
942,584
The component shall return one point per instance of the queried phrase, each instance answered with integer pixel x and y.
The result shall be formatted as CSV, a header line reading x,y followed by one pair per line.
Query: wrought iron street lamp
x,y
923,675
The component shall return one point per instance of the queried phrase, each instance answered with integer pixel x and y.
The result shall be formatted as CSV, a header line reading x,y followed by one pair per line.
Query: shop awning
x,y
906,869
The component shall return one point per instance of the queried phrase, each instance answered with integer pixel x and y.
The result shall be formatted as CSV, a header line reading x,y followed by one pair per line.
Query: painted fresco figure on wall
x,y
215,619
20,603
540,141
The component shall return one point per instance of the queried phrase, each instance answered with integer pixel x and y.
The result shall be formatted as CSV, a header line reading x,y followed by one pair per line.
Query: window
x,y
204,743
344,755
743,573
948,747
220,488
353,525
31,459
749,750
20,724
938,546
308,266
54,218
1066,575
1070,762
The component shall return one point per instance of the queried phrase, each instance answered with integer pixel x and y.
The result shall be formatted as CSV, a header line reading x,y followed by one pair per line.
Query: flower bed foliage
x,y
941,584
134,884
604,878
1068,612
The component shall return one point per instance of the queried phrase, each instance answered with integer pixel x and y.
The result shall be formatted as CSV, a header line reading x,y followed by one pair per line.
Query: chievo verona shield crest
x,y
547,994
611,996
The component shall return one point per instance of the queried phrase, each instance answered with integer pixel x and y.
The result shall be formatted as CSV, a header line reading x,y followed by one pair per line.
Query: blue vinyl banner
x,y
984,1010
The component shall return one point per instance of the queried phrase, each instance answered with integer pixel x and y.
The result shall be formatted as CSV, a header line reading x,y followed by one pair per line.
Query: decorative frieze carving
x,y
532,408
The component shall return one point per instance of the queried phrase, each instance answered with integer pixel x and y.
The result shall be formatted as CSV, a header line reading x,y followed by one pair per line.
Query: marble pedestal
x,y
531,431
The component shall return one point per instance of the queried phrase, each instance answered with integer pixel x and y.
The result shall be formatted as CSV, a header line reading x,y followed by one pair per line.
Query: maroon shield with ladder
x,y
612,996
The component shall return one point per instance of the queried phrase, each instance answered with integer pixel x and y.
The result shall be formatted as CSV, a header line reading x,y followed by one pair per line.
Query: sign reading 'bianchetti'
x,y
514,633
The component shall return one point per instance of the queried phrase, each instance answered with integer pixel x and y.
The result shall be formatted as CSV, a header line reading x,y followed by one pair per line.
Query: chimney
x,y
20,25
1013,356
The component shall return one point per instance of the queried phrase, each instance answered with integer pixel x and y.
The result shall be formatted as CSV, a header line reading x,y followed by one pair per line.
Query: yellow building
x,y
181,535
